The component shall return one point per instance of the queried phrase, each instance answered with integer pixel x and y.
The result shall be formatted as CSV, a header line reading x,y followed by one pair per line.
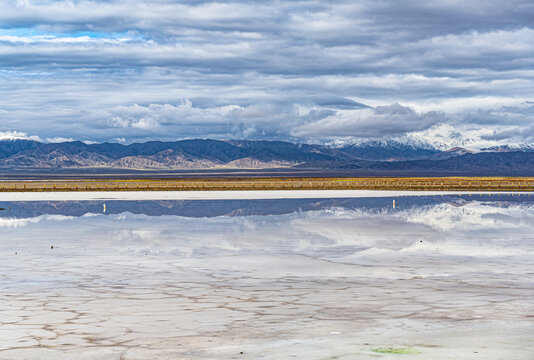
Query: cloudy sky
x,y
447,72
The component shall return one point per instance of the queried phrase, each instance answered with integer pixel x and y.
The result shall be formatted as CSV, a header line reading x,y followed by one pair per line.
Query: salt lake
x,y
433,277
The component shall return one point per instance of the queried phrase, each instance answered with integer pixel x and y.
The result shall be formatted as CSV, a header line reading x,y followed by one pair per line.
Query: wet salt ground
x,y
447,278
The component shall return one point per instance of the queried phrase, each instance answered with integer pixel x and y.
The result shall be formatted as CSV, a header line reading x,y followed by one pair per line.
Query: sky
x,y
440,72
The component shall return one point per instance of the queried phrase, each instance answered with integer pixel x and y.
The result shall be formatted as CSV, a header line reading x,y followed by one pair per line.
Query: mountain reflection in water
x,y
214,208
444,276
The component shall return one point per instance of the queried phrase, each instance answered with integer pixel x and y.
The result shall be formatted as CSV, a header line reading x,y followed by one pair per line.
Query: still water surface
x,y
435,278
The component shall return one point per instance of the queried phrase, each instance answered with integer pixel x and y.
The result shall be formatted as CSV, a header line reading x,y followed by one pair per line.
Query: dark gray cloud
x,y
305,70
381,121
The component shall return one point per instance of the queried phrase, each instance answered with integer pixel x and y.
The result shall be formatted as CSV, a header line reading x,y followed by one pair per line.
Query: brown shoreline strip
x,y
413,184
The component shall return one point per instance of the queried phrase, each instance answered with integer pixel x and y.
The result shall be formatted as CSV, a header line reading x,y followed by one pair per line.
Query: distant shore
x,y
243,184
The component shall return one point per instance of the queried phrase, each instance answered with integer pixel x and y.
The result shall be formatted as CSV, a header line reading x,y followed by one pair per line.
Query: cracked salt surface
x,y
444,277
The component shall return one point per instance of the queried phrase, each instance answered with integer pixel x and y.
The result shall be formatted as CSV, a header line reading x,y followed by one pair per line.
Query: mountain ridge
x,y
260,154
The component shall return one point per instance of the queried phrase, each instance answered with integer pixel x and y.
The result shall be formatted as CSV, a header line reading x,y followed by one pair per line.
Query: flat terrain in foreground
x,y
435,278
414,183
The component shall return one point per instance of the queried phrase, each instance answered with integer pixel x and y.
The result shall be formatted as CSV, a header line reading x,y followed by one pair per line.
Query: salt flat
x,y
437,277
221,195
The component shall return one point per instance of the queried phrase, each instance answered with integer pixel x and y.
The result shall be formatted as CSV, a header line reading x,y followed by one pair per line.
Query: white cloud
x,y
49,39
155,115
58,139
17,135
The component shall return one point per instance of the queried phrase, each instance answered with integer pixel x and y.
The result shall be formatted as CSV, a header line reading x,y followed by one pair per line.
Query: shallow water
x,y
435,277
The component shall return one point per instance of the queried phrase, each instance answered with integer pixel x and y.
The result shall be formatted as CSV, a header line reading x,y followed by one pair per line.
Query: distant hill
x,y
516,163
388,151
382,157
186,154
447,154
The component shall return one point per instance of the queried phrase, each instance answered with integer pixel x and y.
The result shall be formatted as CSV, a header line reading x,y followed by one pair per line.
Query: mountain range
x,y
369,157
